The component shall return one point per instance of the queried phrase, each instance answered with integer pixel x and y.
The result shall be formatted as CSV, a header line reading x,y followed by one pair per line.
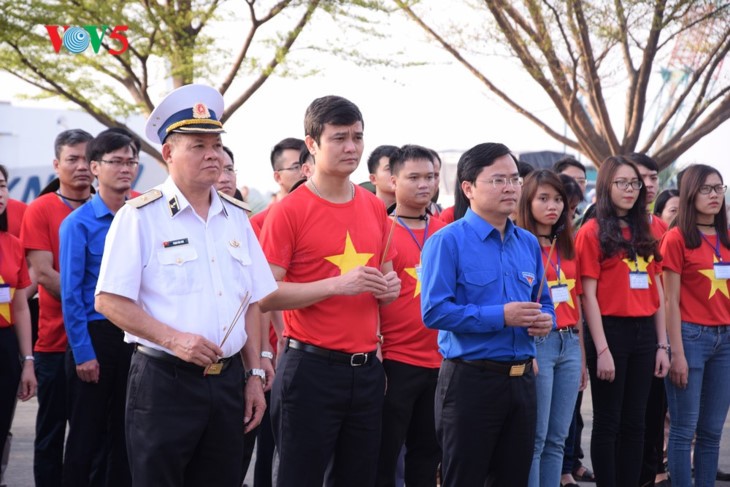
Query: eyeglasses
x,y
294,167
502,182
718,188
229,170
624,184
131,163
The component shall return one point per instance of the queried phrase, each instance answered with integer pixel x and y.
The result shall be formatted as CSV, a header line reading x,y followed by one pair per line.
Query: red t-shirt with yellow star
x,y
447,216
566,312
615,296
658,227
405,338
13,273
703,299
314,239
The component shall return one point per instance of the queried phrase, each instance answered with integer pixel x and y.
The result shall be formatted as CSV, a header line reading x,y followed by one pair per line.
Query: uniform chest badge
x,y
529,277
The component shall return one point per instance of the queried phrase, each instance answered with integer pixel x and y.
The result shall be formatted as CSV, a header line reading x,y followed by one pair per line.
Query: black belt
x,y
171,359
513,369
352,359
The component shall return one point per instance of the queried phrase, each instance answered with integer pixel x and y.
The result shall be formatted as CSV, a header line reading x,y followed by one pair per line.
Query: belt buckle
x,y
517,370
354,362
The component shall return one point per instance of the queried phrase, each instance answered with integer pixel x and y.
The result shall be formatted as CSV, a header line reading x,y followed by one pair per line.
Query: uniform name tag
x,y
213,369
5,293
560,293
722,270
175,243
639,280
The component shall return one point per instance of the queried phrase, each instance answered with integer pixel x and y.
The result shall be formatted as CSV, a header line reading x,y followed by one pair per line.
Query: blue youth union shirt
x,y
468,274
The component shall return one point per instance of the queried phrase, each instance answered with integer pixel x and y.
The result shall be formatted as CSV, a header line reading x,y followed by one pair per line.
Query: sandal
x,y
586,475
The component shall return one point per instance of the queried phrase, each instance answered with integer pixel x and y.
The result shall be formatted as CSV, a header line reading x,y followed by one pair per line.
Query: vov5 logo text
x,y
77,39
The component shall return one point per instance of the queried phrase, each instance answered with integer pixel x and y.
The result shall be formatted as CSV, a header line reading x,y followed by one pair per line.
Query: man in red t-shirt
x,y
327,244
39,234
410,350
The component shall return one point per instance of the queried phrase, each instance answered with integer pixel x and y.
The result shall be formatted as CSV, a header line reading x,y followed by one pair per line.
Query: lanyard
x,y
413,236
556,267
716,248
65,201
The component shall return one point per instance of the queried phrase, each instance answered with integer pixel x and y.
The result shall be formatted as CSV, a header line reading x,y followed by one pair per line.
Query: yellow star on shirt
x,y
411,271
350,258
571,285
715,284
640,264
5,307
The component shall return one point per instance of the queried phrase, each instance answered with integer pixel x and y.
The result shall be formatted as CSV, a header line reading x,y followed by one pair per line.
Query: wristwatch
x,y
260,373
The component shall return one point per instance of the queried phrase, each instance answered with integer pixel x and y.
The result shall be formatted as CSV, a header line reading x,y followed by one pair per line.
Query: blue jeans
x,y
557,381
701,407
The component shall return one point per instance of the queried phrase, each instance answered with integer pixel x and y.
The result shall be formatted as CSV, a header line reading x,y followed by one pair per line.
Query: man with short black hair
x,y
326,244
379,169
97,362
286,165
572,167
39,234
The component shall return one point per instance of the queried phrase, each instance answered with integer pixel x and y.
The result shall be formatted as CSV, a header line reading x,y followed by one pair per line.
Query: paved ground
x,y
20,468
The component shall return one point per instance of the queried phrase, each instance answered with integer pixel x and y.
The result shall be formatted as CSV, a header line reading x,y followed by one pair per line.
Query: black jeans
x,y
408,417
485,423
262,474
619,407
10,369
50,426
326,416
96,412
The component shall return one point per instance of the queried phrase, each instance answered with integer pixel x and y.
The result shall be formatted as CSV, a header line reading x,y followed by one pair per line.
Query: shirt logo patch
x,y
529,277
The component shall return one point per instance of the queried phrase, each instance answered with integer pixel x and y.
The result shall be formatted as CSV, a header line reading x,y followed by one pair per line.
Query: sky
x,y
439,105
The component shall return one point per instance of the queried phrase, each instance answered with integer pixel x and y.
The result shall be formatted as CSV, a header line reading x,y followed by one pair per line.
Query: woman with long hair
x,y
16,380
696,270
544,210
623,303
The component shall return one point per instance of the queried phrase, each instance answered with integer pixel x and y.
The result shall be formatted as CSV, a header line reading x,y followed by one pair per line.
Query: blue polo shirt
x,y
468,274
81,246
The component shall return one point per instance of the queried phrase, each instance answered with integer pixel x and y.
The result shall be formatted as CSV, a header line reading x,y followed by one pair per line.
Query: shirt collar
x,y
99,207
483,228
177,203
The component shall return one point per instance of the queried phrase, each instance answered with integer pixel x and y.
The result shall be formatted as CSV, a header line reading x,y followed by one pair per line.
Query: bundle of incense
x,y
244,304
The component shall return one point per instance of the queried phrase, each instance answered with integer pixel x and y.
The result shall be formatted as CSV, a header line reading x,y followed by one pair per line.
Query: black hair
x,y
470,165
563,163
330,109
663,198
289,143
380,152
106,142
641,159
686,218
4,214
70,138
304,156
408,152
572,188
135,140
524,168
230,153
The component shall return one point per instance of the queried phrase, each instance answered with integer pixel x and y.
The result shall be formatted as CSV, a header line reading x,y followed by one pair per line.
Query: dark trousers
x,y
249,443
485,422
573,452
322,411
96,413
408,417
617,443
184,429
656,411
262,475
10,369
50,426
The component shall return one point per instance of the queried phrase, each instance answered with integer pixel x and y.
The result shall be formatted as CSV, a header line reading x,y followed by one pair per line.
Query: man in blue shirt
x,y
479,286
98,361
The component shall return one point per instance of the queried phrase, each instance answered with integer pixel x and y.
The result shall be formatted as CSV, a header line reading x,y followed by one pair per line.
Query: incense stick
x,y
554,239
390,235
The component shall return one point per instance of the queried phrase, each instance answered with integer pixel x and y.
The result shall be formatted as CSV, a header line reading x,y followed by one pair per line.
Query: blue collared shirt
x,y
81,245
468,274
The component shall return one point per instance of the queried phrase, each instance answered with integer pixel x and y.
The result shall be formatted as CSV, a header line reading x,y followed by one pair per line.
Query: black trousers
x,y
656,411
50,426
619,407
485,423
96,413
10,369
262,475
408,417
184,429
322,411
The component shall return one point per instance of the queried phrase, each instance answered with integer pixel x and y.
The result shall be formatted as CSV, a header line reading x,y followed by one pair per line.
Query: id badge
x,y
722,270
560,293
639,280
418,272
4,293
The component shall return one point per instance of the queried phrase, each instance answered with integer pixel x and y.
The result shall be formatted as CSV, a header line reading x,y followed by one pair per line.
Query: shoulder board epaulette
x,y
234,201
145,198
